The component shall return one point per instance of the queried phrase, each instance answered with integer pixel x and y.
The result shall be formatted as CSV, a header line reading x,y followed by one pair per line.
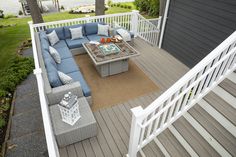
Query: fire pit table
x,y
110,58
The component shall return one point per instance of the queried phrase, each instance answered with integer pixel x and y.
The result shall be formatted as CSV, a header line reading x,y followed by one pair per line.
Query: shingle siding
x,y
195,27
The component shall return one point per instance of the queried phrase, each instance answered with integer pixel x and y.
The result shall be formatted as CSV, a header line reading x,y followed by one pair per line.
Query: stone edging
x,y
8,125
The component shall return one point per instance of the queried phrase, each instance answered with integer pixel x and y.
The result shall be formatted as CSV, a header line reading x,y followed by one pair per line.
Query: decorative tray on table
x,y
109,48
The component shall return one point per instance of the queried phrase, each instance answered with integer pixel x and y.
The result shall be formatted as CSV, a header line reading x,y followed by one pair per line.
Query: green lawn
x,y
12,37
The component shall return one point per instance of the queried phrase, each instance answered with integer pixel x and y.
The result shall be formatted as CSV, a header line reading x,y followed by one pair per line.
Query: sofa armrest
x,y
55,96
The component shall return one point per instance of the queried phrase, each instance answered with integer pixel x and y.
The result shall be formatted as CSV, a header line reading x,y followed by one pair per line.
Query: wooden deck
x,y
114,123
207,129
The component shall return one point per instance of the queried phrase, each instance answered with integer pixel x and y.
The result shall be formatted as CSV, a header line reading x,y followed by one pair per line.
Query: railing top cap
x,y
136,11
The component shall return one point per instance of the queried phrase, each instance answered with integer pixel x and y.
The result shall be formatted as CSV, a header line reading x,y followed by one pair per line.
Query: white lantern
x,y
69,109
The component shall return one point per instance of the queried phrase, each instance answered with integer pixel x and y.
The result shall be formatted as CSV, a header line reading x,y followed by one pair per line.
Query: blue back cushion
x,y
91,28
67,30
53,77
59,31
44,40
42,35
44,44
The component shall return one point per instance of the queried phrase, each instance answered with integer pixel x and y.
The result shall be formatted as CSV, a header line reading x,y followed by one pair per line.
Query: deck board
x,y
88,148
96,147
114,122
79,149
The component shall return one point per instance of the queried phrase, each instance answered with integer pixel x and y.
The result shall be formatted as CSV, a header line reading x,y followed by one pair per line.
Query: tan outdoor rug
x,y
114,89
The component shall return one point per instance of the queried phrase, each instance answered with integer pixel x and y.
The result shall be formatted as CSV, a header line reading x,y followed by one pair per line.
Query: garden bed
x,y
5,114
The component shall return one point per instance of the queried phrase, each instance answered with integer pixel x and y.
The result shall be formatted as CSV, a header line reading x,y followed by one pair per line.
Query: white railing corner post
x,y
134,22
159,22
135,131
87,18
30,22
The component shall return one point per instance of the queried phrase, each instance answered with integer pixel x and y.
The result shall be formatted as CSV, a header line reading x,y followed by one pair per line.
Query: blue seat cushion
x,y
60,44
67,65
77,76
67,30
59,31
64,52
95,37
52,74
91,28
77,43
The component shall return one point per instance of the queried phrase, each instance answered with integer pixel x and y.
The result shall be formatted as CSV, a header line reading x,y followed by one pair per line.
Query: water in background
x,y
13,6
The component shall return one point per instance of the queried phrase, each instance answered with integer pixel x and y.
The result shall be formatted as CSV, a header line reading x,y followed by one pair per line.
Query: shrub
x,y
17,71
62,7
9,16
2,122
151,7
125,6
109,3
118,4
122,6
20,12
1,14
129,7
71,12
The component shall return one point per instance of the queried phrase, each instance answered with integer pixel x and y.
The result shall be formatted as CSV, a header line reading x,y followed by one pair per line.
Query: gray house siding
x,y
195,27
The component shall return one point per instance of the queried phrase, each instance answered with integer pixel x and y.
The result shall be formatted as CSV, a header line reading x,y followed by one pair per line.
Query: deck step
x,y
232,77
218,117
221,106
229,86
193,138
183,142
226,96
223,137
207,136
171,144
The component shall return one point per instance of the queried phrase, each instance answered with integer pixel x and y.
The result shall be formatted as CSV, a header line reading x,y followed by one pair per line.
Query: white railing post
x,y
134,22
87,18
164,23
159,23
135,131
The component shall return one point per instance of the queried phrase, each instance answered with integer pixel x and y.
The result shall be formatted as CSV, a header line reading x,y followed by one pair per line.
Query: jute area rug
x,y
111,90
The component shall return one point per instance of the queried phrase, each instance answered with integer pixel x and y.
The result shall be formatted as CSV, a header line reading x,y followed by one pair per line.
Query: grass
x,y
12,37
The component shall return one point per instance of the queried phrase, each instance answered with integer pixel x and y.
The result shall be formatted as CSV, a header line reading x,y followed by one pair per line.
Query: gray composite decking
x,y
114,123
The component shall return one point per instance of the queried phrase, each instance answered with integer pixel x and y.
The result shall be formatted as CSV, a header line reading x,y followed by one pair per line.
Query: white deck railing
x,y
132,21
147,30
50,138
186,92
156,22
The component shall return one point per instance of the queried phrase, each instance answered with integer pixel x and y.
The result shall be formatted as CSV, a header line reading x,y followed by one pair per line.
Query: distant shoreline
x,y
13,6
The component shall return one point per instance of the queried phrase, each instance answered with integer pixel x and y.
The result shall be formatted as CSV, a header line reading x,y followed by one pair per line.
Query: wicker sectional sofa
x,y
67,48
